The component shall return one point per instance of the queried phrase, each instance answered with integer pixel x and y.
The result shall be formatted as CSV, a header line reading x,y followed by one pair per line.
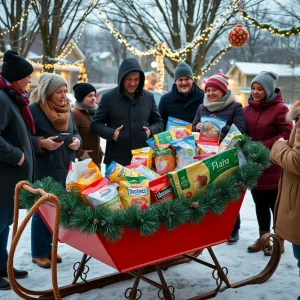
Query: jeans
x,y
41,237
237,225
296,250
264,204
6,219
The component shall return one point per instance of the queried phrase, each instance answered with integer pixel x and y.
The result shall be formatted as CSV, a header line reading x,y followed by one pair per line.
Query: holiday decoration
x,y
82,76
171,213
238,36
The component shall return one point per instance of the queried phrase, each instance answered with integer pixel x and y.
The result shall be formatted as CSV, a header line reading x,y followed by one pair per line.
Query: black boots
x,y
18,273
233,238
4,284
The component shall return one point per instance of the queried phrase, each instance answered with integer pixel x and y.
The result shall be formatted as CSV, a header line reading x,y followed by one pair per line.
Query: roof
x,y
282,70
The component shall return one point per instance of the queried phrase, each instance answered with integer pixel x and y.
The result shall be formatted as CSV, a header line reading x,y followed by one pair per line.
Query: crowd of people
x,y
31,147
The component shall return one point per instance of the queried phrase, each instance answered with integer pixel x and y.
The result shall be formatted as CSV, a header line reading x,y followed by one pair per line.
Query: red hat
x,y
218,81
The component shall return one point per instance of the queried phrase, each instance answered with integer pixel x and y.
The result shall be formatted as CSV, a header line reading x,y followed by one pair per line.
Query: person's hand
x,y
199,126
75,144
117,132
20,163
49,144
148,132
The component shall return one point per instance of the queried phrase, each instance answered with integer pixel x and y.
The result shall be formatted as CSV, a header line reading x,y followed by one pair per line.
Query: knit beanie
x,y
268,81
15,67
219,82
48,83
183,70
81,90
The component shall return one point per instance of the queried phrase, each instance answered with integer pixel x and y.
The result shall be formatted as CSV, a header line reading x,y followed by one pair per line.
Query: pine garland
x,y
172,213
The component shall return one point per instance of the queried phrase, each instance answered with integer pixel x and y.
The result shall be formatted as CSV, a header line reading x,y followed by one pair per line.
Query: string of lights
x,y
21,19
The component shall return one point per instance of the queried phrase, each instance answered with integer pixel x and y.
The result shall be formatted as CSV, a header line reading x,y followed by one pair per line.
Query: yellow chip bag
x,y
142,156
134,191
82,174
115,171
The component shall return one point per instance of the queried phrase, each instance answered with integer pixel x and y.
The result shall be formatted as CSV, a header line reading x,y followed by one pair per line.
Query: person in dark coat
x,y
220,102
52,115
127,115
184,98
84,111
16,154
266,122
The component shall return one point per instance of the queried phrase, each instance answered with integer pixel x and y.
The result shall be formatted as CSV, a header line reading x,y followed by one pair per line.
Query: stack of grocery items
x,y
177,162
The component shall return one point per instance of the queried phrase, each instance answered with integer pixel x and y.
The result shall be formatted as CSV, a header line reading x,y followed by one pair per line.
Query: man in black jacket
x,y
127,115
185,97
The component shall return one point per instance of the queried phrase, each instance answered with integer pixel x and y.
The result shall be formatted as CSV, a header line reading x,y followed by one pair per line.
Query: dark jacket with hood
x,y
175,104
14,141
116,109
266,122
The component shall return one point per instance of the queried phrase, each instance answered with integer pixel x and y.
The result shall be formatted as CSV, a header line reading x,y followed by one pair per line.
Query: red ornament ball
x,y
238,36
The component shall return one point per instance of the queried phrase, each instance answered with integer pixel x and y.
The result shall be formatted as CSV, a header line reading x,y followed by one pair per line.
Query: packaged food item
x,y
196,135
193,178
142,156
149,174
211,129
231,138
82,174
115,171
103,192
164,137
205,149
134,191
151,142
164,159
185,150
161,189
203,156
181,128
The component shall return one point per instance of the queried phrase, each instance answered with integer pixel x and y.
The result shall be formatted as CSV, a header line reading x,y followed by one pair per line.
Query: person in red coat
x,y
266,122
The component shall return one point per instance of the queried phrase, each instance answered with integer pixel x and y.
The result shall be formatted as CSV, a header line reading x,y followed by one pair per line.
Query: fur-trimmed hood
x,y
294,112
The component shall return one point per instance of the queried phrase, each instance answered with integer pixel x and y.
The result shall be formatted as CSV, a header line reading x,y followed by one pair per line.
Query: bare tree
x,y
52,16
176,23
22,36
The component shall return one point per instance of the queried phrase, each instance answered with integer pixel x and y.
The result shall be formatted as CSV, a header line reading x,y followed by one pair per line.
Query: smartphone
x,y
62,137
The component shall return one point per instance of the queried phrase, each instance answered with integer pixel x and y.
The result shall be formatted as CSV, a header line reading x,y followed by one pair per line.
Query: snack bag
x,y
231,138
196,135
82,174
164,137
151,142
181,128
142,156
134,191
115,171
211,130
149,174
192,179
185,150
203,156
103,192
164,159
205,149
161,189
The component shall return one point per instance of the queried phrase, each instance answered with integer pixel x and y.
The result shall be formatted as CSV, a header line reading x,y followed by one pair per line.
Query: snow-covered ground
x,y
188,279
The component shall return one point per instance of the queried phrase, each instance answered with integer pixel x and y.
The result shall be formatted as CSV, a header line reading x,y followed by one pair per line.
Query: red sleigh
x,y
151,253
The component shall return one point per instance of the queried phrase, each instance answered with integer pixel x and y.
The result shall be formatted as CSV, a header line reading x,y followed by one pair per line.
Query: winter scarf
x,y
22,102
90,110
227,99
58,115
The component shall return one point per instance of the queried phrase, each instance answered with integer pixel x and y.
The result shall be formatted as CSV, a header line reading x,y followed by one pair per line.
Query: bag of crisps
x,y
231,138
164,159
134,191
181,128
82,174
203,148
103,192
142,156
211,129
161,189
185,150
164,137
115,171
